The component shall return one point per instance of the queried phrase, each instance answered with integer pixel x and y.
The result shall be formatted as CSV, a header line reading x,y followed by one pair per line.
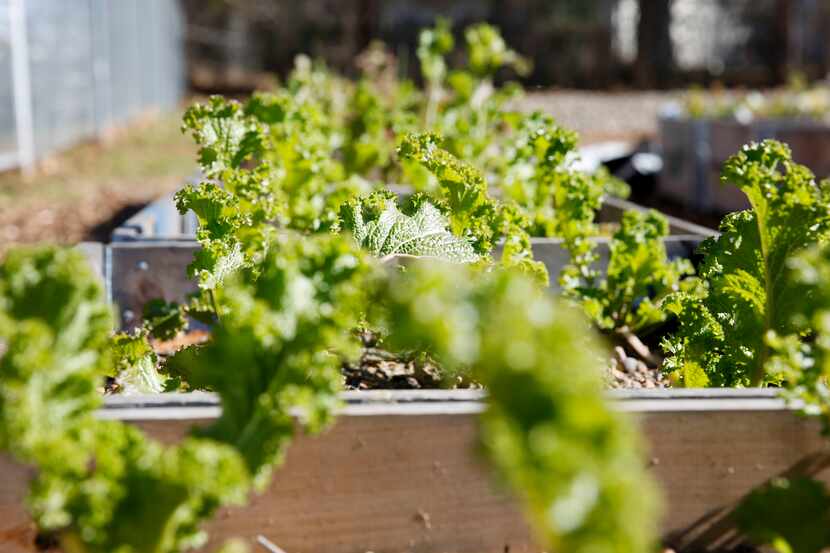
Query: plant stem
x,y
214,306
759,370
637,346
432,106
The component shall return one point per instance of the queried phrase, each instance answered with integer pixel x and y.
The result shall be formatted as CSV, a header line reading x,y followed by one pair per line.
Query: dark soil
x,y
379,369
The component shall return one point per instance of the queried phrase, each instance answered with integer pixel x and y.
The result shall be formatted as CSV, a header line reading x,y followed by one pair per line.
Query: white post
x,y
152,24
22,87
138,69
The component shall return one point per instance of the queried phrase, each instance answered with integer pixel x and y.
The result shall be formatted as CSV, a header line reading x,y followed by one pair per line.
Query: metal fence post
x,y
22,86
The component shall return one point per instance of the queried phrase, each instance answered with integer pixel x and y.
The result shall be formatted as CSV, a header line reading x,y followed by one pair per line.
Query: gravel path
x,y
599,116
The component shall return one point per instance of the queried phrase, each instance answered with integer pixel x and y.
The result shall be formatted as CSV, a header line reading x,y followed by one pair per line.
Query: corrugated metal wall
x,y
88,66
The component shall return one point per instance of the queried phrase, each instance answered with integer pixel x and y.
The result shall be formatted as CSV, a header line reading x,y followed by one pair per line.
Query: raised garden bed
x,y
150,254
136,272
694,150
289,308
399,470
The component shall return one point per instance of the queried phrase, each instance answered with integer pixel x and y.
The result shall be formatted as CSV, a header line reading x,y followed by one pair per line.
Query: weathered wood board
x,y
399,472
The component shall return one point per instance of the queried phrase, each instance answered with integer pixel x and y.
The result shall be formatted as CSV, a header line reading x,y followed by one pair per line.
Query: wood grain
x,y
407,478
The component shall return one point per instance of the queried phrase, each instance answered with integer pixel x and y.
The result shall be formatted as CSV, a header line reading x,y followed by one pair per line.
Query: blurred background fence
x,y
573,43
76,69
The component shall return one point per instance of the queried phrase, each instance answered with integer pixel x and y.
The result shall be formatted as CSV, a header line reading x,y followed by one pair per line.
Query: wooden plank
x,y
399,471
383,483
706,461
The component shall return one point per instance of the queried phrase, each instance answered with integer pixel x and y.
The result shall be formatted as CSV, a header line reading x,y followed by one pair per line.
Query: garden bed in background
x,y
694,150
